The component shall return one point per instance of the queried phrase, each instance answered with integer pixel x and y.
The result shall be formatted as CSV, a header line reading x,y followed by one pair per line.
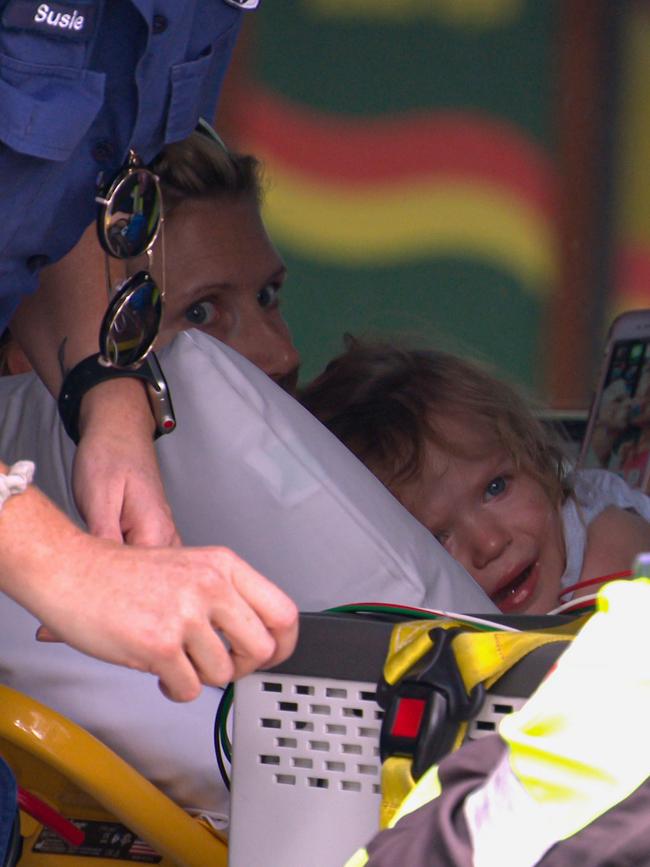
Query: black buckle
x,y
426,707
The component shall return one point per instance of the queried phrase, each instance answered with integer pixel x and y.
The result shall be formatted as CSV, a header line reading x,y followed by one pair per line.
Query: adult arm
x,y
116,480
152,609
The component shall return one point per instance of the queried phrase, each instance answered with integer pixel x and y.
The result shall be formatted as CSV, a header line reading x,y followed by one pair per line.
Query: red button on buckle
x,y
408,718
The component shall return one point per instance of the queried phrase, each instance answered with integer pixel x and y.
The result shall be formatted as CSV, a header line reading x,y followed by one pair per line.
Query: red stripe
x,y
43,813
360,151
633,272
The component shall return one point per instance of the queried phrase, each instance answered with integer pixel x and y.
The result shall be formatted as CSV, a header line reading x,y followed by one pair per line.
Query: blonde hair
x,y
200,166
386,403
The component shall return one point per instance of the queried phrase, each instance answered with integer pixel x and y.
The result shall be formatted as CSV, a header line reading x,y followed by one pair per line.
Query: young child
x,y
466,455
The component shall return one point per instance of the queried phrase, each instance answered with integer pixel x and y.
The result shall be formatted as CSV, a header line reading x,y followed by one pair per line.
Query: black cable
x,y
219,726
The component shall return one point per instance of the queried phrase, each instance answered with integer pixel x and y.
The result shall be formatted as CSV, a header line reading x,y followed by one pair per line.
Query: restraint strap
x,y
481,657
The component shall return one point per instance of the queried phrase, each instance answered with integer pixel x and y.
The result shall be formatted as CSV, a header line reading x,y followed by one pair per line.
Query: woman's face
x,y
224,276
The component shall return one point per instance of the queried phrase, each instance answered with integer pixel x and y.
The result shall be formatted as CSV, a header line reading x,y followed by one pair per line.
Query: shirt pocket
x,y
47,110
192,85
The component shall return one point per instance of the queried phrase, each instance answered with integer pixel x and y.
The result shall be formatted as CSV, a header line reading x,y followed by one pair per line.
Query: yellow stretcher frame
x,y
81,778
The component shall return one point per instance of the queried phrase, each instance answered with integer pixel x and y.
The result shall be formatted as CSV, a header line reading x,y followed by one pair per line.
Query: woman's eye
x,y
442,537
269,296
201,313
497,486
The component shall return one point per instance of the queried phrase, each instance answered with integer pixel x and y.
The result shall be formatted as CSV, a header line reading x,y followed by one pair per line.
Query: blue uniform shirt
x,y
80,83
8,808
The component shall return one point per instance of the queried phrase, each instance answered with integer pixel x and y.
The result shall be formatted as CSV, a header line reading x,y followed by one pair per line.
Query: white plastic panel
x,y
306,770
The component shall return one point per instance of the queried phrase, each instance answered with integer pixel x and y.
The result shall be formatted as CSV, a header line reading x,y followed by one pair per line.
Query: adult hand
x,y
116,479
186,615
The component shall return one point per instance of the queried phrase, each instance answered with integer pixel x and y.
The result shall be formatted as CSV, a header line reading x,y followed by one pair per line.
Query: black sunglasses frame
x,y
112,352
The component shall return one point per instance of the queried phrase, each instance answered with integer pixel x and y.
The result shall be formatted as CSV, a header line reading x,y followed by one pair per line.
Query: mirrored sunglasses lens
x,y
133,216
132,321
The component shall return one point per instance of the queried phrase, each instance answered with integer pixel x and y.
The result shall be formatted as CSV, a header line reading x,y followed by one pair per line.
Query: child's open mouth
x,y
517,592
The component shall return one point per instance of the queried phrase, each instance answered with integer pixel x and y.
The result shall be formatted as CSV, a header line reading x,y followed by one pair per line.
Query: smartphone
x,y
617,436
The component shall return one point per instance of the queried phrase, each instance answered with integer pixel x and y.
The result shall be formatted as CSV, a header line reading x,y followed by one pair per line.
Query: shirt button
x,y
159,24
103,151
35,263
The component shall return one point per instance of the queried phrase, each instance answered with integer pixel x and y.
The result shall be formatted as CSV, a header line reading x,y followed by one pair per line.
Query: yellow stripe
x,y
398,223
635,129
468,13
628,300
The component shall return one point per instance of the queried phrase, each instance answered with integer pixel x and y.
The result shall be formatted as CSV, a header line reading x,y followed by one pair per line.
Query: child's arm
x,y
614,539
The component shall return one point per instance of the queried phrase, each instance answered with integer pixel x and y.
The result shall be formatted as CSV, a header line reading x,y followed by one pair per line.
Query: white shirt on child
x,y
594,491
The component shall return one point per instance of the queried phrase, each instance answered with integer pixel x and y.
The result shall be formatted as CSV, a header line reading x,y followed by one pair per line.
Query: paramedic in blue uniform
x,y
80,84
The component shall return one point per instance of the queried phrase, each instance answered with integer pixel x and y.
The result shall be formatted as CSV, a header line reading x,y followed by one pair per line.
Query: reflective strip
x,y
493,810
359,859
579,746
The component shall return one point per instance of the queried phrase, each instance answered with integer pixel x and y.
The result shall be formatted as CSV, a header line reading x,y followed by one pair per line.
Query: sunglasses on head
x,y
129,220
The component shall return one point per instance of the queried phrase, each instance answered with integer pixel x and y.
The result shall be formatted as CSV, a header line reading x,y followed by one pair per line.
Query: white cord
x,y
479,621
448,615
468,618
16,480
575,603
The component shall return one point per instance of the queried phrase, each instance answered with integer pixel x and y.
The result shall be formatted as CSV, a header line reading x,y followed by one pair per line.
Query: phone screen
x,y
620,427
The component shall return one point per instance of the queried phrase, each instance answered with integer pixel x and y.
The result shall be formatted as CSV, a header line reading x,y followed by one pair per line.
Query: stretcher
x,y
72,786
306,762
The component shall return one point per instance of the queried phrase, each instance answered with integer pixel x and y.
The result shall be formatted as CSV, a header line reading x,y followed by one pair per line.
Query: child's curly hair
x,y
386,403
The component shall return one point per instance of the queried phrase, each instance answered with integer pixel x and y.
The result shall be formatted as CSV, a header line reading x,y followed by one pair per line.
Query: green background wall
x,y
350,104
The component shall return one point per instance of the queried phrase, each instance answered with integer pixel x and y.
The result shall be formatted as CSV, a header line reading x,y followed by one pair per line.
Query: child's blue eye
x,y
441,537
497,486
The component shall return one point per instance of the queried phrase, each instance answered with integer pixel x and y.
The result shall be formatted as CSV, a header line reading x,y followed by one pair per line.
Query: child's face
x,y
499,523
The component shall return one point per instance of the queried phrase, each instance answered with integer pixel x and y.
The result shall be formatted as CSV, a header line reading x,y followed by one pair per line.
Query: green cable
x,y
223,730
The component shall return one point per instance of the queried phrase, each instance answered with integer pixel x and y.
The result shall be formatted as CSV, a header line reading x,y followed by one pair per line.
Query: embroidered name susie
x,y
65,20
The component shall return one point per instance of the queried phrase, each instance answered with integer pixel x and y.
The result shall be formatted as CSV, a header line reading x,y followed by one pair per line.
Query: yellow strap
x,y
482,657
408,644
427,789
496,652
359,859
396,783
